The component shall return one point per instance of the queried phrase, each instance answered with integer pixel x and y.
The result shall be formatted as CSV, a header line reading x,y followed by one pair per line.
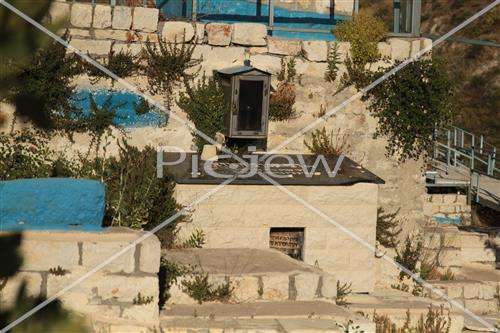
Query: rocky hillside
x,y
475,69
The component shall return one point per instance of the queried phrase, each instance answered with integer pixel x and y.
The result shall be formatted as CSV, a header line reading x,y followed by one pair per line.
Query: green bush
x,y
363,32
122,64
409,256
205,106
200,289
324,143
333,61
388,228
282,101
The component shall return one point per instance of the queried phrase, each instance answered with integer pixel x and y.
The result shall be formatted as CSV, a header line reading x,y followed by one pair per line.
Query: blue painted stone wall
x,y
124,101
231,11
52,204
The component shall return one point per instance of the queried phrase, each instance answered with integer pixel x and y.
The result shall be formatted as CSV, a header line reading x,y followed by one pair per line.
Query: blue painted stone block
x,y
52,203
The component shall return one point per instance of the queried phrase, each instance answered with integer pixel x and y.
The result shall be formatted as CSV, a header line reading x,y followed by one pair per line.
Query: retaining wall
x,y
108,296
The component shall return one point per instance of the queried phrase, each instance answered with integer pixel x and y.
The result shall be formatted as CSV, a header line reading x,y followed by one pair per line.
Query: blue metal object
x,y
125,101
51,204
456,221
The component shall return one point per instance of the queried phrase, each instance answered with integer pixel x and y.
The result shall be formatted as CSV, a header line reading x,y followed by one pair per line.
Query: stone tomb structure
x,y
252,213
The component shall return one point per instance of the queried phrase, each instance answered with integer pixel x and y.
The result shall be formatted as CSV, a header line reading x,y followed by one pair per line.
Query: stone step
x,y
255,275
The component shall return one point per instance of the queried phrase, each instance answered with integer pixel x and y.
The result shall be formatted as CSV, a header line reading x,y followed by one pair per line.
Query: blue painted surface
x,y
126,116
456,221
232,11
51,204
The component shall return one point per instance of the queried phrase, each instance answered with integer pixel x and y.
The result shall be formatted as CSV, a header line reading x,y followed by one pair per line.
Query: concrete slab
x,y
239,261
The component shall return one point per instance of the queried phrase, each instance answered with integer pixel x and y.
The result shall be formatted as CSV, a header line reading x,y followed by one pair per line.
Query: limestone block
x,y
33,283
150,250
429,208
447,209
265,62
450,258
93,47
81,15
287,47
361,324
102,17
177,296
257,50
200,32
472,290
480,306
120,35
329,286
344,50
488,291
437,198
134,49
177,31
141,313
470,239
39,255
385,49
465,209
344,7
452,239
362,280
127,329
246,288
59,12
145,19
306,285
122,18
400,48
415,47
461,199
249,34
79,33
454,291
449,198
477,255
94,253
315,50
275,287
219,34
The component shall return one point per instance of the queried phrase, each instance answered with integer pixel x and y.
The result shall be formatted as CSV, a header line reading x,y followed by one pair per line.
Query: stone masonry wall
x,y
448,205
99,29
107,296
240,216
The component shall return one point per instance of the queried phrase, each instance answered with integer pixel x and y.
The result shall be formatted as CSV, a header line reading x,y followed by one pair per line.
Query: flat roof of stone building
x,y
296,169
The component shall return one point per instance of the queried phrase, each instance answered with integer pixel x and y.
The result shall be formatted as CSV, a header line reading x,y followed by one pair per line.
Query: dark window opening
x,y
289,241
250,105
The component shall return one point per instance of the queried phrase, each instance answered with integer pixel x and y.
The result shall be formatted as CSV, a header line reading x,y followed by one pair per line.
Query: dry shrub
x,y
282,101
324,143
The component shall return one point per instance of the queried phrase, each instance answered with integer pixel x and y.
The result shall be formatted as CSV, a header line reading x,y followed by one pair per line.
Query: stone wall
x,y
99,29
54,259
240,216
452,206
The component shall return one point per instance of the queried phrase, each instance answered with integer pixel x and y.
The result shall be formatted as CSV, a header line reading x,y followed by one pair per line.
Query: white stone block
x,y
249,34
265,62
122,18
81,15
149,260
384,49
116,35
145,19
134,48
200,32
59,12
315,50
177,32
39,255
246,288
33,283
400,48
219,34
102,17
93,47
275,287
93,253
329,286
306,285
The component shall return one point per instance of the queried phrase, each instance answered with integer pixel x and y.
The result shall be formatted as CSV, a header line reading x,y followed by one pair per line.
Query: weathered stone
x,y
415,47
306,285
200,32
452,239
79,33
450,258
102,17
119,35
384,49
447,209
177,296
246,288
257,50
177,31
472,290
94,252
134,48
315,50
128,329
437,198
480,306
488,291
461,199
41,255
141,313
475,254
59,12
400,48
265,62
470,239
93,47
219,34
249,34
122,18
150,250
33,283
275,287
288,47
449,198
329,286
145,19
81,15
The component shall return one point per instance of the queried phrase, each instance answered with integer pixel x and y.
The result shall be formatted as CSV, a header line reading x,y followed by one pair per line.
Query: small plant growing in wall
x,y
409,256
142,300
200,289
333,61
195,241
388,228
58,271
121,63
282,101
343,290
324,143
